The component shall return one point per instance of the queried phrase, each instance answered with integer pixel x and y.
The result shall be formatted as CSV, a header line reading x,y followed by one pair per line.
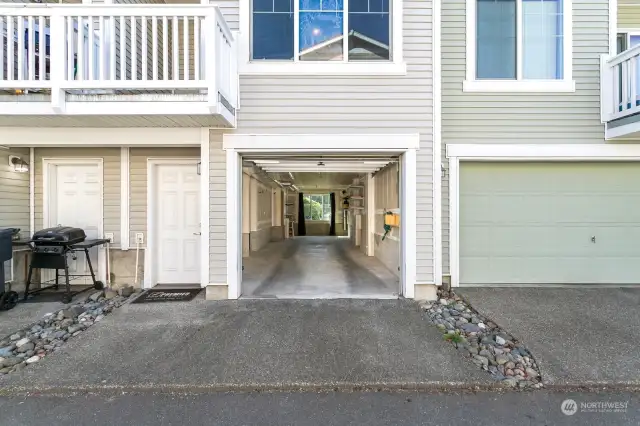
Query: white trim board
x,y
94,137
403,144
397,143
204,207
149,252
513,153
437,142
124,198
471,84
101,272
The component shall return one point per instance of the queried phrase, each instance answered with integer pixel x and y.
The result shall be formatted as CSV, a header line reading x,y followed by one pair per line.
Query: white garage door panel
x,y
532,223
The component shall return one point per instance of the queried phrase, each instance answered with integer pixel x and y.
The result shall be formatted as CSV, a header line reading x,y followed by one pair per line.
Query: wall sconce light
x,y
19,165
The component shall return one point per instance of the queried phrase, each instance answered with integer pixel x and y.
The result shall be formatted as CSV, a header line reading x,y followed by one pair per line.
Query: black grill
x,y
51,249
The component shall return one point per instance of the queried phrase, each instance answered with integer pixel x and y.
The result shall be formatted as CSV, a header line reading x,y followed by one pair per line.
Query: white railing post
x,y
211,57
58,59
233,73
606,89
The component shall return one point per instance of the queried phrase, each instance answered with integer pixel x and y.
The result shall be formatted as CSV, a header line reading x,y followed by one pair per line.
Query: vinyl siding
x,y
111,183
14,192
217,210
358,104
138,184
629,14
554,118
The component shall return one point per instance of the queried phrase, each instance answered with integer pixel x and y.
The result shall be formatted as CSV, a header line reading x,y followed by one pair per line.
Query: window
x,y
317,207
321,30
519,43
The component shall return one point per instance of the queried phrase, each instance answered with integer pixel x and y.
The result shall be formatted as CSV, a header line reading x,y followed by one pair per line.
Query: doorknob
x,y
197,233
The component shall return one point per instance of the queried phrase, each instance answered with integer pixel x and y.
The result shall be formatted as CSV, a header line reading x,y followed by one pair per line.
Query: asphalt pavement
x,y
326,409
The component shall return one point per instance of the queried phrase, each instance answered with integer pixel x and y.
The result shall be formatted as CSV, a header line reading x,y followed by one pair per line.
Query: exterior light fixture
x,y
19,165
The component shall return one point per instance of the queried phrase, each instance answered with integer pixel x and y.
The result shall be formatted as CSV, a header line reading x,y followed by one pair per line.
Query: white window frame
x,y
567,84
395,66
309,194
628,33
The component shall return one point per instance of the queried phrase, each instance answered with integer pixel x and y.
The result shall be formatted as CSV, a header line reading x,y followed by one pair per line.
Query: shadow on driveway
x,y
261,343
578,336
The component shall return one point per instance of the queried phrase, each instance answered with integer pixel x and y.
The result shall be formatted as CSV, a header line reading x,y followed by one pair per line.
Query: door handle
x,y
197,233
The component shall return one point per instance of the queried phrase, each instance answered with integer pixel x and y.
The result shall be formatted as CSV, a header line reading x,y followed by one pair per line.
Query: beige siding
x,y
111,182
629,14
14,192
358,104
138,184
526,117
217,210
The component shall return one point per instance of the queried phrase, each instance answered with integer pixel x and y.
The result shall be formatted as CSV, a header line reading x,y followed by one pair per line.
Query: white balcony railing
x,y
620,85
118,49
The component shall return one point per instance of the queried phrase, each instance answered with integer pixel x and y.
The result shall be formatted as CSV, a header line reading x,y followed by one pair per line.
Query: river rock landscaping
x,y
484,342
31,344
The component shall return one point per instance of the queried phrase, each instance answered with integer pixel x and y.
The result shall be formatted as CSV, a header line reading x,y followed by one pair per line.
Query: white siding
x,y
525,117
217,210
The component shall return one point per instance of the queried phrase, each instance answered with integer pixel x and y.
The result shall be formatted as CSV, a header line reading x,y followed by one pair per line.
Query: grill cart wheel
x,y
8,300
99,285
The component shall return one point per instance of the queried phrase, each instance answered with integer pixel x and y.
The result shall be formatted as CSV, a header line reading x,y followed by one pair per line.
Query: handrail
x,y
621,57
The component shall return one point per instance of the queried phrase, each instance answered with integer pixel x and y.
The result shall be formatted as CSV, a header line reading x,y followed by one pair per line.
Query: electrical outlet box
x,y
139,238
109,236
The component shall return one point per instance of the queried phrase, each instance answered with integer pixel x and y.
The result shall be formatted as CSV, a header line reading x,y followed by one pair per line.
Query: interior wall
x,y
387,198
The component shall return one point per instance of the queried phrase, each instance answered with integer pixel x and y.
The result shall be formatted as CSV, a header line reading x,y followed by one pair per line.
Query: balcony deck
x,y
129,63
620,94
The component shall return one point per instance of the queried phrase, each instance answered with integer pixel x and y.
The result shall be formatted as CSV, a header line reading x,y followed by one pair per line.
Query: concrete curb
x,y
422,387
435,386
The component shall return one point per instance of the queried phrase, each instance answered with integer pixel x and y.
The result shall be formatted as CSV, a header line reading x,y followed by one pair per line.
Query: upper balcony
x,y
136,64
620,94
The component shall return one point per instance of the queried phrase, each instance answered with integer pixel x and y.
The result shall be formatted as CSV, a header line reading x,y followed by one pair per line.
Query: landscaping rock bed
x,y
31,344
484,342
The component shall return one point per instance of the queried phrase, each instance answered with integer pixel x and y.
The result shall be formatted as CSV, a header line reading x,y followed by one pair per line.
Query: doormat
x,y
173,295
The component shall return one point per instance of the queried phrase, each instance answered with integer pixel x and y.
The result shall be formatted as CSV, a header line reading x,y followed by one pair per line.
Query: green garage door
x,y
549,223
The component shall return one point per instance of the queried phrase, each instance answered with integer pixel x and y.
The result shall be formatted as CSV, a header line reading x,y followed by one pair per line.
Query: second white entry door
x,y
177,227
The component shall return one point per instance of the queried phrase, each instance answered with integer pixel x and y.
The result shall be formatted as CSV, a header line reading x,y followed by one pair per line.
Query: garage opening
x,y
320,226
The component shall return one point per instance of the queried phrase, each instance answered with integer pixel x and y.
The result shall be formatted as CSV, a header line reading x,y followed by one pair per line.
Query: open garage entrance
x,y
305,226
323,224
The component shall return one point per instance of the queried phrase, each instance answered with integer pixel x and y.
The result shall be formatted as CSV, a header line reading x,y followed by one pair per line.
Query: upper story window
x,y
519,45
318,36
322,30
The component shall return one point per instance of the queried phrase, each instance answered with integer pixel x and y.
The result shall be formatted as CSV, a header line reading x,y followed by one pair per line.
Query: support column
x,y
371,214
408,222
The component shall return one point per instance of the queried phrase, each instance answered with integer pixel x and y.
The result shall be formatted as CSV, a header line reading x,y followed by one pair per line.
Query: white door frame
x,y
405,145
150,272
514,153
47,163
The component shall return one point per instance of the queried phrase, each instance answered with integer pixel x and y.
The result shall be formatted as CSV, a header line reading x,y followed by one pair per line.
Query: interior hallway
x,y
316,268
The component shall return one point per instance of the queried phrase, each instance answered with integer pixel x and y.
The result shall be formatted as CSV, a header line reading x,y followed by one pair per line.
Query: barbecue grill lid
x,y
60,234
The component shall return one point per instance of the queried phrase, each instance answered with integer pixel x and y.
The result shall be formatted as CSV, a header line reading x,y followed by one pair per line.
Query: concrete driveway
x,y
250,344
579,336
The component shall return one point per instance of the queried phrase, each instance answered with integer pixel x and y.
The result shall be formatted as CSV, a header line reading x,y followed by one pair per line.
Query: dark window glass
x,y
369,30
272,29
496,39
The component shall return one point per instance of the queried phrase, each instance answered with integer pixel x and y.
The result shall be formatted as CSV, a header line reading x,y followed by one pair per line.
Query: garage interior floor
x,y
316,268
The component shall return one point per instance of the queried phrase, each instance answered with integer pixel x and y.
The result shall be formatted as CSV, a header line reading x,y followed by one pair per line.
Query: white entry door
x,y
177,230
75,192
